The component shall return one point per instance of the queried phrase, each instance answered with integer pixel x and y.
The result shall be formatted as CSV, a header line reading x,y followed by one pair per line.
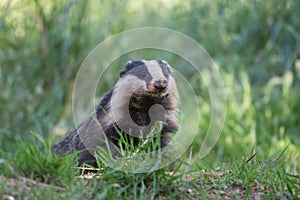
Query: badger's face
x,y
148,77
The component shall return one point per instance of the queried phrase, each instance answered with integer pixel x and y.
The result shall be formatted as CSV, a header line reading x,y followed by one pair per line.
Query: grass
x,y
50,177
256,46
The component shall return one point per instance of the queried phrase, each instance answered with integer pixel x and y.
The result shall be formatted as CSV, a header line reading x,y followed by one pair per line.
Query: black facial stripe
x,y
130,65
164,68
142,73
148,79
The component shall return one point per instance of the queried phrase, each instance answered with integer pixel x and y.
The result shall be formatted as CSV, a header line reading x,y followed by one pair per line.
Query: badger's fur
x,y
142,85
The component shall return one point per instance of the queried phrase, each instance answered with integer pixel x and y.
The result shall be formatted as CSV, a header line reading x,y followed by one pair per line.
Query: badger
x,y
146,92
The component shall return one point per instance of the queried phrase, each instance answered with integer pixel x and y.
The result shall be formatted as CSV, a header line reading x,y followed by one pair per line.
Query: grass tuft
x,y
34,159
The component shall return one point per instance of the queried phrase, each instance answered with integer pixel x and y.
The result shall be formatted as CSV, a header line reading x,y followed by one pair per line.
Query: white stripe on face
x,y
154,69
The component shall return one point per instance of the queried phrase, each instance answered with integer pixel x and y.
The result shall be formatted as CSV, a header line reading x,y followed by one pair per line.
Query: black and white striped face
x,y
150,76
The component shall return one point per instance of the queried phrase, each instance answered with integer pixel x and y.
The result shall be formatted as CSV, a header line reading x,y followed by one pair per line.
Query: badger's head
x,y
144,86
148,77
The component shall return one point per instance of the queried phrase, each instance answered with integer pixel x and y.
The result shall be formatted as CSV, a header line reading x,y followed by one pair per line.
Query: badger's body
x,y
127,109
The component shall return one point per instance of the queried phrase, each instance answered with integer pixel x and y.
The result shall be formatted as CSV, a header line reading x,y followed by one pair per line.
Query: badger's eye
x,y
139,73
166,75
144,74
165,72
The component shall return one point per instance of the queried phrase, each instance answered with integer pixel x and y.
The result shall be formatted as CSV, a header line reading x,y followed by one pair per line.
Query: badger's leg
x,y
171,127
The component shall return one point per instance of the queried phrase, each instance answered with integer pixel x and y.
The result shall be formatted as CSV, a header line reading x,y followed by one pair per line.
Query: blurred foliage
x,y
255,43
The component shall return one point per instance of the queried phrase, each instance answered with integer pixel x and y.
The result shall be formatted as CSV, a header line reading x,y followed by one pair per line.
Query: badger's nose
x,y
161,84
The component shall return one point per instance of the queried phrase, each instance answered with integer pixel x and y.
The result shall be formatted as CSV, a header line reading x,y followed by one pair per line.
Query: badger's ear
x,y
126,68
122,72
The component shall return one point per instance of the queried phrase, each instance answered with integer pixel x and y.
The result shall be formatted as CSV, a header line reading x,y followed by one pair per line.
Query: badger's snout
x,y
161,84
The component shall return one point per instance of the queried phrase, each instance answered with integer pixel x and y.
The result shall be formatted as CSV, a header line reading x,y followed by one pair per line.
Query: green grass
x,y
51,177
255,44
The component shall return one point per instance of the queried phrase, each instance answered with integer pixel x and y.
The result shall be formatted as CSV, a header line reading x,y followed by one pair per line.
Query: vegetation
x,y
256,45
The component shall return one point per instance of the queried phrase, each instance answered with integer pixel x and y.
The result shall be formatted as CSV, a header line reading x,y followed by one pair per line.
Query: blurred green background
x,y
255,43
